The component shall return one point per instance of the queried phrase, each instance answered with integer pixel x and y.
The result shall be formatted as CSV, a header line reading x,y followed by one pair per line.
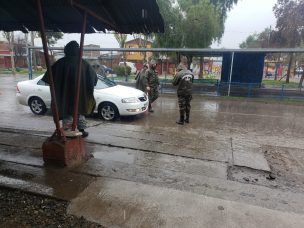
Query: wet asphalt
x,y
245,151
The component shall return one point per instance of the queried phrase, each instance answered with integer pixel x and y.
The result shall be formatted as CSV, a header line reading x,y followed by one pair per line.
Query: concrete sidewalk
x,y
132,184
128,204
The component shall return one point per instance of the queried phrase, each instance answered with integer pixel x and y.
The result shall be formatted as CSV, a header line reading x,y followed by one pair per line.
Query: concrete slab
x,y
178,143
123,157
55,182
129,204
250,157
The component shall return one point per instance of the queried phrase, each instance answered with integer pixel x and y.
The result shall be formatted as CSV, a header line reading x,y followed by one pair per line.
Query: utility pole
x,y
33,50
269,34
12,53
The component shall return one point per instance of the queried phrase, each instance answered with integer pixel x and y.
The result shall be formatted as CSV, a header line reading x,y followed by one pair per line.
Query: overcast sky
x,y
247,17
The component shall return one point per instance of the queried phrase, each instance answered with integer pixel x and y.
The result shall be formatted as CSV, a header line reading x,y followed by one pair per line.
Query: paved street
x,y
239,163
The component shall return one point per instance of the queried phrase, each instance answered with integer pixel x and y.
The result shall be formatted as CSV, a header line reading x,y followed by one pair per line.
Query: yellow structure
x,y
138,56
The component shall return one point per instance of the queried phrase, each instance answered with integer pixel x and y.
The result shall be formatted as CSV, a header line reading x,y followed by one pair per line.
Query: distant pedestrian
x,y
183,80
153,83
141,80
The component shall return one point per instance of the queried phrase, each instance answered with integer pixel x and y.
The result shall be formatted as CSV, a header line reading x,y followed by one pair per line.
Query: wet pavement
x,y
239,163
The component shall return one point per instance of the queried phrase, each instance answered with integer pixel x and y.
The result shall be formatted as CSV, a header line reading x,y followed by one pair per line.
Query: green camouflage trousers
x,y
184,103
153,94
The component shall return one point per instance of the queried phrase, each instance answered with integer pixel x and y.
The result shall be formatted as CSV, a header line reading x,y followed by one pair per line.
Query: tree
x,y
192,23
290,25
33,35
9,36
266,39
224,7
121,39
172,16
252,41
201,25
26,48
20,48
52,37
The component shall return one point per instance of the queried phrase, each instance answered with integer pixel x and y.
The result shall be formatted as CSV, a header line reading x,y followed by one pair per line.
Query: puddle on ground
x,y
120,156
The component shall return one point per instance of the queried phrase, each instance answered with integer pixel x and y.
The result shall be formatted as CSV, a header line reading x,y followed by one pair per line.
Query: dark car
x,y
107,70
102,69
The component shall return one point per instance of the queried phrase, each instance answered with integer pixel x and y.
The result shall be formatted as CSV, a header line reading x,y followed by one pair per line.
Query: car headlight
x,y
130,100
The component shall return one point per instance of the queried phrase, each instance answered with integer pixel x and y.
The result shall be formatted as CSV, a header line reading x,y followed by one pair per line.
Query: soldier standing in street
x,y
141,80
153,83
183,80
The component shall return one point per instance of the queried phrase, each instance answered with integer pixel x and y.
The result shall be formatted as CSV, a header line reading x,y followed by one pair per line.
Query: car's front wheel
x,y
37,106
108,111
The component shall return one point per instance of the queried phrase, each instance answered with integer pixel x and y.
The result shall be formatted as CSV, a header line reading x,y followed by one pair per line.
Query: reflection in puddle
x,y
121,156
210,106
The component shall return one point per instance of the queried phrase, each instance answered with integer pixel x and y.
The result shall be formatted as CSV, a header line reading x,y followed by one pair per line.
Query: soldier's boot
x,y
181,119
150,108
187,118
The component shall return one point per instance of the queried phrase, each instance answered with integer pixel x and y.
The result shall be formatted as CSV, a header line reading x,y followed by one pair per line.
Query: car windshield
x,y
104,82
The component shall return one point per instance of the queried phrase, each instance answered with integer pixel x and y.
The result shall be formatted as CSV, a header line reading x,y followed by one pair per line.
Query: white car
x,y
129,64
112,100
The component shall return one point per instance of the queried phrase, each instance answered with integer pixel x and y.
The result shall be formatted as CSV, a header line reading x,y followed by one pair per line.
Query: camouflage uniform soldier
x,y
141,80
183,80
153,83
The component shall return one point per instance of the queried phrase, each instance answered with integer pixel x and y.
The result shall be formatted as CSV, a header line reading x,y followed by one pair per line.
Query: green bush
x,y
120,70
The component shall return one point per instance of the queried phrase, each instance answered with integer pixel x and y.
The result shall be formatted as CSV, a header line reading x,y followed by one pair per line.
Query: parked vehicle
x,y
299,70
107,70
103,70
131,65
112,100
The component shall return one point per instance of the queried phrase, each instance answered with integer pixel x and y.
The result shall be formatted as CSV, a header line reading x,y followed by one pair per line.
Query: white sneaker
x,y
72,134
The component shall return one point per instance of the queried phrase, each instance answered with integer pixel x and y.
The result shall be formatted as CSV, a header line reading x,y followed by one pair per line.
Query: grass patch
x,y
121,78
21,71
276,83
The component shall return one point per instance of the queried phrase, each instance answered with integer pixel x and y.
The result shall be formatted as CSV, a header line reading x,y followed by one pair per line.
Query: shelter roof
x,y
124,16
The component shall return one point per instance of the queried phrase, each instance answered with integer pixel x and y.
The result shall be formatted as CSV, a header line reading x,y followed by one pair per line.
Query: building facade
x,y
5,55
138,56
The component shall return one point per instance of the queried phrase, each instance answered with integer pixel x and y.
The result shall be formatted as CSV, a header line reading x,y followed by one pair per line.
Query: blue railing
x,y
218,88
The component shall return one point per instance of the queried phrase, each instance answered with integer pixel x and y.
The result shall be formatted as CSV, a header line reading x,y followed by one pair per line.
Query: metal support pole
x,y
30,67
76,99
230,76
111,58
249,90
217,87
282,92
48,65
161,87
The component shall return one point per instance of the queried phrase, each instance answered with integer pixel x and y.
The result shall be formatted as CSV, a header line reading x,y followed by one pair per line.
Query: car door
x,y
43,91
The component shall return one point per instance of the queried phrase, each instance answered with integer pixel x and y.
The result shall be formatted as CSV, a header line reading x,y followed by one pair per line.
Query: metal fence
x,y
210,87
218,88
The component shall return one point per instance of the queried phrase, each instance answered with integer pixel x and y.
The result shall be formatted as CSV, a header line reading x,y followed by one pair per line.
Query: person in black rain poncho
x,y
65,78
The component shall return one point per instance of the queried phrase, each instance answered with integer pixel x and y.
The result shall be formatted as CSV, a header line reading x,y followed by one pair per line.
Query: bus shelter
x,y
76,16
